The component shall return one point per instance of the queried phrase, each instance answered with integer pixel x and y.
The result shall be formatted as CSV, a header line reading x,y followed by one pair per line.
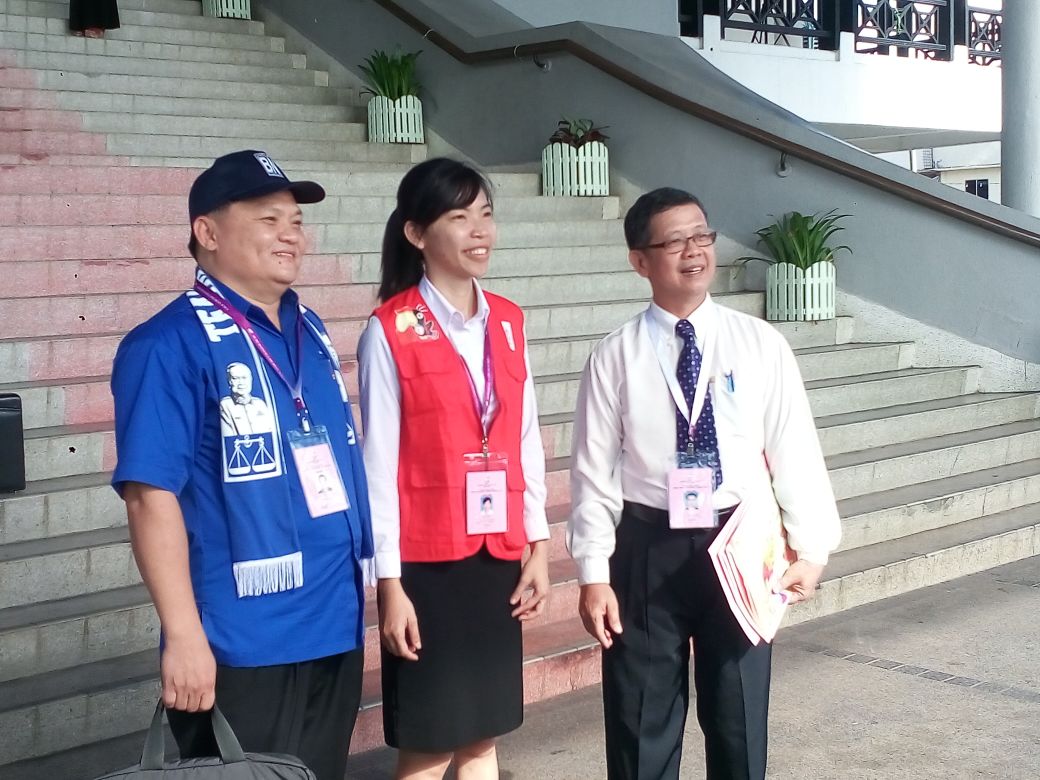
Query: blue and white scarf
x,y
265,547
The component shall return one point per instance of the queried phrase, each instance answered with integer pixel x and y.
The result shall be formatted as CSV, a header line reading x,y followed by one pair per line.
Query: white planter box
x,y
227,9
395,121
569,172
796,295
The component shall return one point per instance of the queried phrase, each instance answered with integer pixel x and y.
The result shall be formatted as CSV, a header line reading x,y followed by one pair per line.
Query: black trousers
x,y
669,594
307,710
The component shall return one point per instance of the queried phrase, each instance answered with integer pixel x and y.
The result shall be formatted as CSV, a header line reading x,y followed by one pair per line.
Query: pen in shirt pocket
x,y
731,385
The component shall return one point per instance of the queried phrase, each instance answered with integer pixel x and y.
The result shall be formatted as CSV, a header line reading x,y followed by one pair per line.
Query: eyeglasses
x,y
675,245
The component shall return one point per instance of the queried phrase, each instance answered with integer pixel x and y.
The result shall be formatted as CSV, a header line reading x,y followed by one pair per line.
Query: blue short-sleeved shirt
x,y
167,402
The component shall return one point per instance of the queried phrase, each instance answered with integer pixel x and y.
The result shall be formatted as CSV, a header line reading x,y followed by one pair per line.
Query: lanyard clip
x,y
484,448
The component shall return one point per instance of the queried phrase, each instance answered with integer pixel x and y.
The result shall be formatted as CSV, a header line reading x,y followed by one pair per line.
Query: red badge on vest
x,y
415,324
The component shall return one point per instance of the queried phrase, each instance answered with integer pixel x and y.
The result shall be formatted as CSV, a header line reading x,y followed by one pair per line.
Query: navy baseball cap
x,y
242,176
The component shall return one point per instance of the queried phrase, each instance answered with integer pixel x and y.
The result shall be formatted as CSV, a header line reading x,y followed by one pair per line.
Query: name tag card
x,y
486,496
690,493
319,475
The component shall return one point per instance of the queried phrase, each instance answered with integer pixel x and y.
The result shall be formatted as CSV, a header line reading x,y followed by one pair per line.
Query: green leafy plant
x,y
801,240
391,75
577,132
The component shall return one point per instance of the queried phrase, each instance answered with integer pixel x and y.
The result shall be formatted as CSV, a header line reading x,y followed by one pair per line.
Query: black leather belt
x,y
653,516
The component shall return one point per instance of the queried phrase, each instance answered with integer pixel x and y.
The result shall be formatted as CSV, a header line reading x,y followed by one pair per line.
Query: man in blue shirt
x,y
245,492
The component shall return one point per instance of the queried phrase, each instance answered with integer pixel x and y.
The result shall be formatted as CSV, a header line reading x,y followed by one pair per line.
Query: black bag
x,y
232,764
12,444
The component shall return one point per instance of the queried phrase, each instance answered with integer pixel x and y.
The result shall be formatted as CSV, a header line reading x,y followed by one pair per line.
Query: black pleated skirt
x,y
467,685
85,14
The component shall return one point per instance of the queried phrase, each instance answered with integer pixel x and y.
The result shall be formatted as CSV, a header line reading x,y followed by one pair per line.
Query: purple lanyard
x,y
296,390
482,408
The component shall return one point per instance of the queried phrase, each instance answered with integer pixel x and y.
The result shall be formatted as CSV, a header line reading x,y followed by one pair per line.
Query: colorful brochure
x,y
750,556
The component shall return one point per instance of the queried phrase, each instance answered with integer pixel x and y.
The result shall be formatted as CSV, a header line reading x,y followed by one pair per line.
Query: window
x,y
978,187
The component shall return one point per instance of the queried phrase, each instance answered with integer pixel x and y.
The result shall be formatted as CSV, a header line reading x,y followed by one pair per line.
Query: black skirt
x,y
467,685
87,14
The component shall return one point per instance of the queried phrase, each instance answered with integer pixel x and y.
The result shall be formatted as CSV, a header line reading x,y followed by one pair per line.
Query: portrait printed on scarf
x,y
247,426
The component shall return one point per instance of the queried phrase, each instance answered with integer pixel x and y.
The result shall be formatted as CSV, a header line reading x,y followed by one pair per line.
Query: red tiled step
x,y
30,98
60,357
558,658
32,279
14,118
86,314
27,142
41,159
102,180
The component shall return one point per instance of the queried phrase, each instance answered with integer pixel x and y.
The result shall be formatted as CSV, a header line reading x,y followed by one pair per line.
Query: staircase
x,y
99,142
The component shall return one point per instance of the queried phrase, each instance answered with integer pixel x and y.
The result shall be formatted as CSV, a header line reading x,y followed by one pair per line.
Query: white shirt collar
x,y
702,318
446,314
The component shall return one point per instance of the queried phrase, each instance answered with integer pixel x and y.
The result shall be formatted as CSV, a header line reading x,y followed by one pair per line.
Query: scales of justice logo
x,y
247,426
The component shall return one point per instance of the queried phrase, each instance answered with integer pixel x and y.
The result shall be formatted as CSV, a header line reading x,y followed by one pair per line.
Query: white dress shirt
x,y
625,431
381,417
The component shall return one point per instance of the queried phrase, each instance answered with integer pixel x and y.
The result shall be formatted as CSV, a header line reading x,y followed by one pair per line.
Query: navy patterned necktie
x,y
705,440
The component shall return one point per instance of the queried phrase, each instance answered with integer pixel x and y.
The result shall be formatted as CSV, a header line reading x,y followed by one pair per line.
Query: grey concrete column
x,y
1020,138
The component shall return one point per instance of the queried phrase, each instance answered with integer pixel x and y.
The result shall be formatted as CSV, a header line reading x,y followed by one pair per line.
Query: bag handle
x,y
154,754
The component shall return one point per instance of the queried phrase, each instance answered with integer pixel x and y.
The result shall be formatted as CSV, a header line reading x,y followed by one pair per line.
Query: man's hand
x,y
800,580
398,624
598,607
534,576
189,673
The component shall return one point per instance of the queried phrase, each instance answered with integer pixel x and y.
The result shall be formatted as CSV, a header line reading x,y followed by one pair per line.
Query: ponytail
x,y
402,263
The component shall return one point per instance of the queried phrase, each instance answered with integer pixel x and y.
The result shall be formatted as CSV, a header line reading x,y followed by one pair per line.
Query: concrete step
x,y
25,100
557,394
37,10
898,465
834,361
139,242
171,124
897,424
169,86
81,629
132,144
69,451
148,33
64,566
91,64
60,506
924,506
56,711
33,144
152,50
868,574
889,388
114,209
86,761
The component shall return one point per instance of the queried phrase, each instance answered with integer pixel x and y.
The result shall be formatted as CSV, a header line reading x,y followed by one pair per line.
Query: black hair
x,y
193,245
426,192
648,206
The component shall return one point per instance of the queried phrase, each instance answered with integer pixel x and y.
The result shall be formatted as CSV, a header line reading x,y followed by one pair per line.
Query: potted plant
x,y
575,160
394,112
227,9
800,283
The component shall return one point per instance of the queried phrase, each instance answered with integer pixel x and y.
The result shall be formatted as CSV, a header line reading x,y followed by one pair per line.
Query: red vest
x,y
439,424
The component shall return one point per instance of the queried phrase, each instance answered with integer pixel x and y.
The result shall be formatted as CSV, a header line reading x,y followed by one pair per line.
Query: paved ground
x,y
941,683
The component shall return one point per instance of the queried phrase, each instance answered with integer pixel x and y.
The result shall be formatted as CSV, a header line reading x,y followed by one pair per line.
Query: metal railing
x,y
919,28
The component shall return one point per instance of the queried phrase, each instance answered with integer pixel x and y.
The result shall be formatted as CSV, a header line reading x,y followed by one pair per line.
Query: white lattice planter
x,y
570,172
796,295
395,121
227,9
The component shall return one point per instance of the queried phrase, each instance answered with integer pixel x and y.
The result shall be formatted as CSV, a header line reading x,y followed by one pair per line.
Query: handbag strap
x,y
154,754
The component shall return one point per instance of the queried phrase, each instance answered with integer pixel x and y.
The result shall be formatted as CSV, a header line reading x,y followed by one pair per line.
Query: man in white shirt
x,y
647,584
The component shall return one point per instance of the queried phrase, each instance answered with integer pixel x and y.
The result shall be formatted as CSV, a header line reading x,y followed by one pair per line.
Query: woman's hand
x,y
398,625
534,576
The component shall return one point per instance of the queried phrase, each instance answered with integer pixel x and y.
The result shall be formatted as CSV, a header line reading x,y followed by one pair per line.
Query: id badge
x,y
690,492
319,475
486,495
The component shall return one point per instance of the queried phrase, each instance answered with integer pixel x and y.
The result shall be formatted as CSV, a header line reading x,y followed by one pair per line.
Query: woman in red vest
x,y
457,479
